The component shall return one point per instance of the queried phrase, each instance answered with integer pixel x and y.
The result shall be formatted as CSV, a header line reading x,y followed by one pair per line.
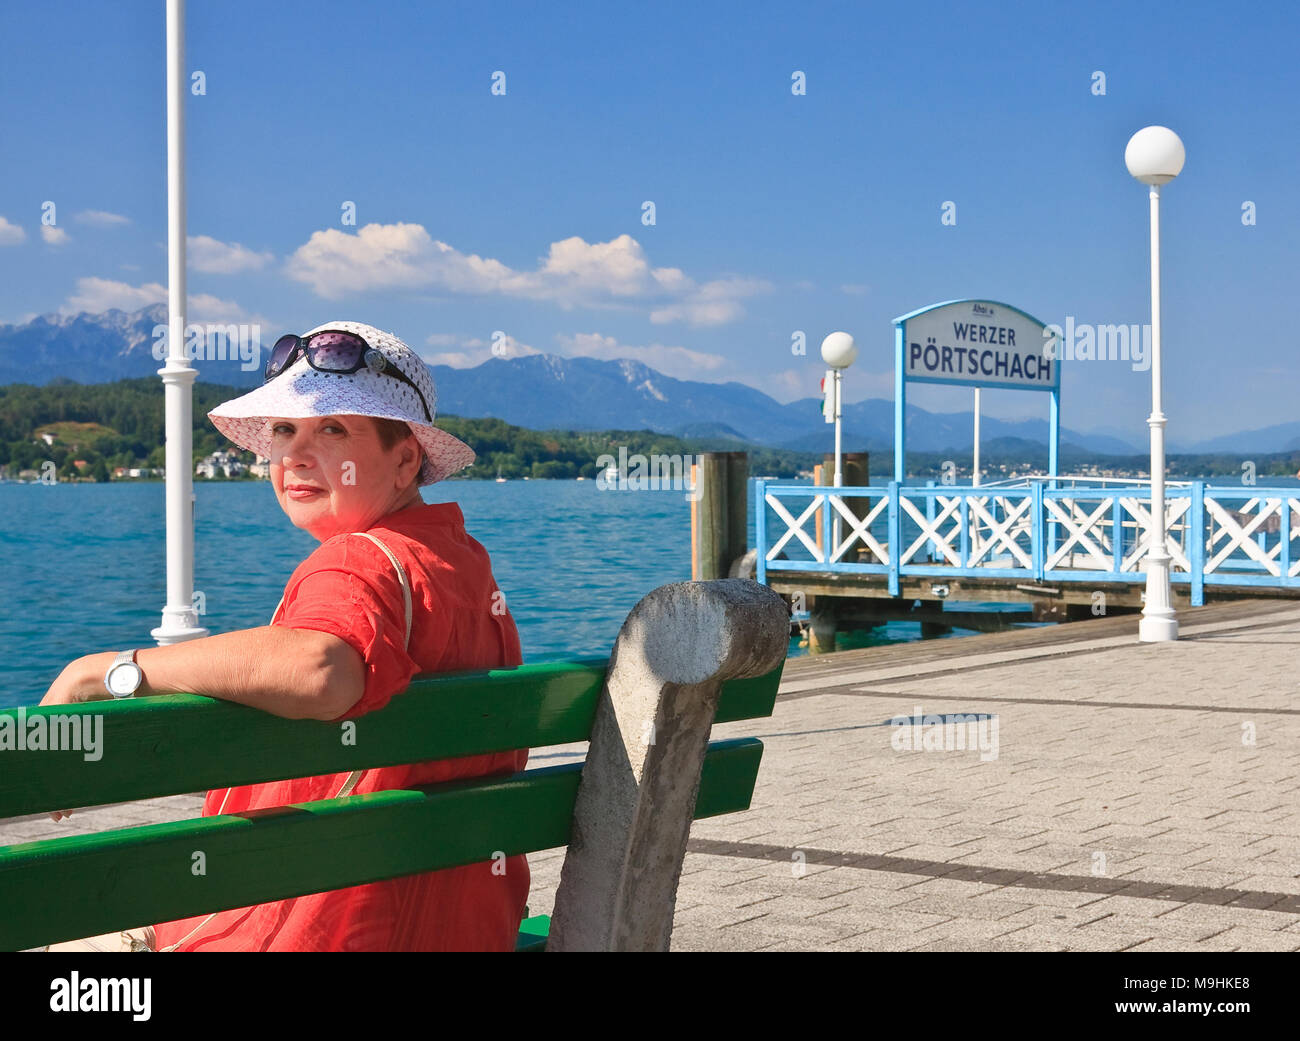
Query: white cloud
x,y
573,273
789,385
713,303
101,294
475,351
11,234
794,384
53,236
207,308
96,295
679,362
456,359
101,218
388,256
859,384
204,253
574,268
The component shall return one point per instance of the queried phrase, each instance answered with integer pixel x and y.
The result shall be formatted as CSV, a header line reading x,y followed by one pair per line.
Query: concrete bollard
x,y
636,800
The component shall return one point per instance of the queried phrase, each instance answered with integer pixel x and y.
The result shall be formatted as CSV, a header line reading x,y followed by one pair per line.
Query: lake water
x,y
83,566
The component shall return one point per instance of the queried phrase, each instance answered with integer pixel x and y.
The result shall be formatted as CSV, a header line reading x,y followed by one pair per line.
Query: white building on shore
x,y
220,463
228,464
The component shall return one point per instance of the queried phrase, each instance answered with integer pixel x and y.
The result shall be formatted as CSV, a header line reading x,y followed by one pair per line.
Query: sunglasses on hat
x,y
336,351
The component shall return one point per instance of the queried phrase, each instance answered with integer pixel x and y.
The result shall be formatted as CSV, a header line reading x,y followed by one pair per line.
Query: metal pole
x,y
839,474
1158,620
179,619
900,405
975,475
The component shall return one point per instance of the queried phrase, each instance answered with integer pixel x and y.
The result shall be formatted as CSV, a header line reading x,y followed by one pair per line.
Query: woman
x,y
346,417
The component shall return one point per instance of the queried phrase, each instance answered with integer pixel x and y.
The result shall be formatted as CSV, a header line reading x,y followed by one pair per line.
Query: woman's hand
x,y
80,681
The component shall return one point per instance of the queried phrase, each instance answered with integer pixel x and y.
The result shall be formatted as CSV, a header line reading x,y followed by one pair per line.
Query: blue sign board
x,y
975,343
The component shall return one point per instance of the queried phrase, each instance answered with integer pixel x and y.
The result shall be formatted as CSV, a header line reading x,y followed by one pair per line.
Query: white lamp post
x,y
179,620
839,352
1155,156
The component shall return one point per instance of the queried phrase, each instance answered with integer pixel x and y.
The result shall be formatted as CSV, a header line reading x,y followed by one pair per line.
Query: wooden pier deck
x,y
872,591
1143,797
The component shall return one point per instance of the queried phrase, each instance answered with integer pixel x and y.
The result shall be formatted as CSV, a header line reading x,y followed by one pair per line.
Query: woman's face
x,y
354,481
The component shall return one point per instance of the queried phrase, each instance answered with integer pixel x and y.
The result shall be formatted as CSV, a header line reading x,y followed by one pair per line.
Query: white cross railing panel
x,y
1215,537
860,530
1175,511
1090,530
1229,534
795,527
1008,533
930,533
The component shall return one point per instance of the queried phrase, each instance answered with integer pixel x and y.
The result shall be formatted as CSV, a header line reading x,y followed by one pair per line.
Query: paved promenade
x,y
1126,797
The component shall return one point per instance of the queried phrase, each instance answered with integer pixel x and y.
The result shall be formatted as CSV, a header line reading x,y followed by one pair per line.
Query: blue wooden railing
x,y
1037,531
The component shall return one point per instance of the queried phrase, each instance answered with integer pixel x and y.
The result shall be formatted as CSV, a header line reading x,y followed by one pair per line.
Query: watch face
x,y
124,679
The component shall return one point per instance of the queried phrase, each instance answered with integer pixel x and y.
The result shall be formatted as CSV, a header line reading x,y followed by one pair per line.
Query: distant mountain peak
x,y
95,348
545,390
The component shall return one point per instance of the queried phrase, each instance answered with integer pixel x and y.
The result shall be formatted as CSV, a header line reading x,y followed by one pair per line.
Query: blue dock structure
x,y
1071,546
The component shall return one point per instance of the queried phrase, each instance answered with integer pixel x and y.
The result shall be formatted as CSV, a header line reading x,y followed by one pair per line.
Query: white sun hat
x,y
302,392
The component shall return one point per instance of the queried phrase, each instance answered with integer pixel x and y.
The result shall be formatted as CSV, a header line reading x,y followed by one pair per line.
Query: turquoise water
x,y
84,566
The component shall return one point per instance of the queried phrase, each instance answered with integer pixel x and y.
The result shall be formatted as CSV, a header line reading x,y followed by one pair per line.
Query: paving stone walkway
x,y
1125,797
1143,797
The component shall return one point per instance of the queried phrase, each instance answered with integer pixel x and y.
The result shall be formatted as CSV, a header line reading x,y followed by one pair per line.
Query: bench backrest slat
x,y
61,889
689,655
183,743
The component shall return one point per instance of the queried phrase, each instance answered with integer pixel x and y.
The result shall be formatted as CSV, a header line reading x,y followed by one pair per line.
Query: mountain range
x,y
551,391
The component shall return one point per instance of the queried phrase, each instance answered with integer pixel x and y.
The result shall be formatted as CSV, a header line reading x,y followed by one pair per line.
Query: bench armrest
x,y
634,806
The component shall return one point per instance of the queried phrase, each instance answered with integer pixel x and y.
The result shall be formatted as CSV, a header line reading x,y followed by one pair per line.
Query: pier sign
x,y
975,343
978,343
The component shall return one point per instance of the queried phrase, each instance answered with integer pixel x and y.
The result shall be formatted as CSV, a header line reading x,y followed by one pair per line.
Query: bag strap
x,y
355,775
401,577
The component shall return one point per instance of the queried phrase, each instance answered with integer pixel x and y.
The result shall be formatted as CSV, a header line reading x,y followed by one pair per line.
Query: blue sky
x,y
774,212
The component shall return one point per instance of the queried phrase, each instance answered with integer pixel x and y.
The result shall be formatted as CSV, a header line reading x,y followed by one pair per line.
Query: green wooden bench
x,y
64,888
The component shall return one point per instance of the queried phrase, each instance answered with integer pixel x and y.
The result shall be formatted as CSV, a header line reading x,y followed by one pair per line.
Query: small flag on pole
x,y
828,395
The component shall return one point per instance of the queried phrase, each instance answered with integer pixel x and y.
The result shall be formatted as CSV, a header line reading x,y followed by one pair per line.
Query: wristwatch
x,y
124,676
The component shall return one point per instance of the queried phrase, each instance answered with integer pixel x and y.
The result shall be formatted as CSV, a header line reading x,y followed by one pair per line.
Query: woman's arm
x,y
294,673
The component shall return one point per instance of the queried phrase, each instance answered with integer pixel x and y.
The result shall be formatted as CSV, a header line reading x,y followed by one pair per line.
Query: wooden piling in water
x,y
855,471
719,513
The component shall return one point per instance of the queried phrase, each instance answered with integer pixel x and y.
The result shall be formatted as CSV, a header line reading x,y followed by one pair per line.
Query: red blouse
x,y
348,587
